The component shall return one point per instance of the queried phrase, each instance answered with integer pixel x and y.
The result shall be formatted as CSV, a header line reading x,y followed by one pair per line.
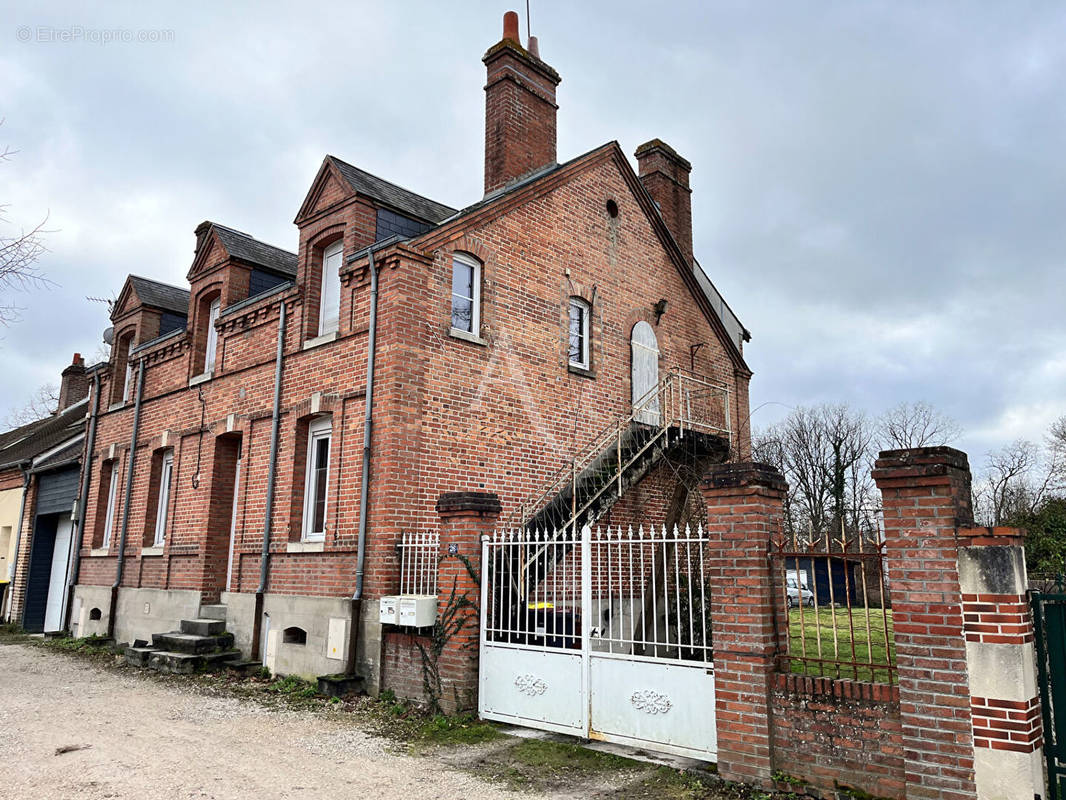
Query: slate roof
x,y
392,195
240,245
161,295
25,442
68,455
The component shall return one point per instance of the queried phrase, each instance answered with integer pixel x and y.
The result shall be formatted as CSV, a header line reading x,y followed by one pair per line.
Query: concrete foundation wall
x,y
325,622
139,613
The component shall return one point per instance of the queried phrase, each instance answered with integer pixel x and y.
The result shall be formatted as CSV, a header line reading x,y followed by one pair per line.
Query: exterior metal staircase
x,y
683,414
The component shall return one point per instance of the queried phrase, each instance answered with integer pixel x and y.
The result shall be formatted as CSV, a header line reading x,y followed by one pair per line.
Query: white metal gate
x,y
604,634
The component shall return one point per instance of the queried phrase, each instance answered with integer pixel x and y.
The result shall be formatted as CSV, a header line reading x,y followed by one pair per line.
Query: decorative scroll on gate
x,y
604,633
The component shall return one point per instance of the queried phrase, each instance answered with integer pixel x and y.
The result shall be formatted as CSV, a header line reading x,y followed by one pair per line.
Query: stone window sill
x,y
100,551
202,378
466,336
318,341
117,406
152,551
574,369
305,547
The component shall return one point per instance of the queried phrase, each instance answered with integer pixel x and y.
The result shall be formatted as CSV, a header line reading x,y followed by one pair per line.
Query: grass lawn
x,y
808,624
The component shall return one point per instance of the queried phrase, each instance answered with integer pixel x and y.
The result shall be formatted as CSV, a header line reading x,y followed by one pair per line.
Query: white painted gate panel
x,y
601,634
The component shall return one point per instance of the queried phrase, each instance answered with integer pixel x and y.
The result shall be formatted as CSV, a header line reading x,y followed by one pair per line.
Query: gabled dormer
x,y
346,210
145,310
229,266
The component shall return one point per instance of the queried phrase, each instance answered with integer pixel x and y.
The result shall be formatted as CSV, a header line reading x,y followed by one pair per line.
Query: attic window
x,y
612,209
294,636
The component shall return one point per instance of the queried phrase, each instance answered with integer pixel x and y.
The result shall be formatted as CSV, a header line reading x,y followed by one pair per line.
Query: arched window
x,y
466,294
645,375
580,328
330,304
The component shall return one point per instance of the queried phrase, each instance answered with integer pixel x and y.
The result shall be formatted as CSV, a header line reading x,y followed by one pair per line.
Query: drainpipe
x,y
126,502
12,570
83,499
268,517
364,485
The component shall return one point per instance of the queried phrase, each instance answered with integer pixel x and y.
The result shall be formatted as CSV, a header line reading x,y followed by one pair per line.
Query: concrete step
x,y
244,668
216,611
204,626
179,642
139,656
187,663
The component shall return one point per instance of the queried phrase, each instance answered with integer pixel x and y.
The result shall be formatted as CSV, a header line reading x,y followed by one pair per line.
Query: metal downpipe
x,y
83,500
364,482
126,501
268,516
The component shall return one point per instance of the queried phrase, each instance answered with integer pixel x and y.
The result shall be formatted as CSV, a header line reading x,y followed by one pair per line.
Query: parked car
x,y
797,594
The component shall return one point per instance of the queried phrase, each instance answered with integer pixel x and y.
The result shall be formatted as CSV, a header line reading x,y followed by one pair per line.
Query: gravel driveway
x,y
143,740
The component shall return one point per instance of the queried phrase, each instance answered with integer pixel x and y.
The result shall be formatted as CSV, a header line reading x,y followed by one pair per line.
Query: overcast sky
x,y
878,188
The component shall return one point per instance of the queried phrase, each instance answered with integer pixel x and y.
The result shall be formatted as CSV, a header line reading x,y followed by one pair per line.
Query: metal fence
x,y
641,593
419,557
834,617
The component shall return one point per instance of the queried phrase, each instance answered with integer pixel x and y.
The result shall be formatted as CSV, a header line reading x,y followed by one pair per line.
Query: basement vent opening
x,y
95,614
612,208
294,636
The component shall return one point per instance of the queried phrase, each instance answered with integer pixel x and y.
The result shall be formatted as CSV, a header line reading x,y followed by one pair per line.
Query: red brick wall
x,y
829,732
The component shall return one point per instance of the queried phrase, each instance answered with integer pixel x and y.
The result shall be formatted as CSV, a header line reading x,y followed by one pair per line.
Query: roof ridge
x,y
393,184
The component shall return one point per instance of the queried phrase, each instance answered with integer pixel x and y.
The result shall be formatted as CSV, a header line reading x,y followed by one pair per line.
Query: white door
x,y
233,521
645,379
57,581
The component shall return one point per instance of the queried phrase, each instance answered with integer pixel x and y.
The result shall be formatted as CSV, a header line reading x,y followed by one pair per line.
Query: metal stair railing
x,y
681,401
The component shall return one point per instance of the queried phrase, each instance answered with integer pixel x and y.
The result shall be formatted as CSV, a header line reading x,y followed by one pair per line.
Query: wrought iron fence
x,y
834,617
419,556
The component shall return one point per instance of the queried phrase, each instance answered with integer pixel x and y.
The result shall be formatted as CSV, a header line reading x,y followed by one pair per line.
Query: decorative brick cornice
x,y
744,475
920,462
484,503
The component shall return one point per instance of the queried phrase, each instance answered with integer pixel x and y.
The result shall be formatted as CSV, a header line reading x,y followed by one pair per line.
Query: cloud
x,y
877,188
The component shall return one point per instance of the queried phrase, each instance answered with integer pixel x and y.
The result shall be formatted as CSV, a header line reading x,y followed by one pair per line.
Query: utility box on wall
x,y
389,610
418,610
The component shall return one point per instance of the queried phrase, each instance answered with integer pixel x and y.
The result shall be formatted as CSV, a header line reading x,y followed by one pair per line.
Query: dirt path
x,y
144,740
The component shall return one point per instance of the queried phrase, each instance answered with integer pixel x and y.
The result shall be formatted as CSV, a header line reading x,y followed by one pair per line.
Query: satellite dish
x,y
109,335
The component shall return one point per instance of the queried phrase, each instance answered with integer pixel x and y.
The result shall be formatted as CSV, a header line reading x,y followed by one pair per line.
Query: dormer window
x,y
212,336
329,310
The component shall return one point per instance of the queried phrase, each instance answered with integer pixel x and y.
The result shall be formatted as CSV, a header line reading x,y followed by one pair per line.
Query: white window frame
x,y
331,277
475,282
318,430
586,326
166,469
112,499
211,351
129,379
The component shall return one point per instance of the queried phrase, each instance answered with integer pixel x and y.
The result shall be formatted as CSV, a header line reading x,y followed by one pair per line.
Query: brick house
x,y
265,438
40,468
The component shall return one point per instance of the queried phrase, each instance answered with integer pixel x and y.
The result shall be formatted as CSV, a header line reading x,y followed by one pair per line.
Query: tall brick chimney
x,y
519,109
75,383
665,175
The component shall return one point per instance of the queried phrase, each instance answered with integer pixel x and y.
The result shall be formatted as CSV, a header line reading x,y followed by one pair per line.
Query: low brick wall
x,y
835,733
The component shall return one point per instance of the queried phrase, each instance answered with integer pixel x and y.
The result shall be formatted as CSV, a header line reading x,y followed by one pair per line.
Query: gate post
x,y
464,518
963,634
744,509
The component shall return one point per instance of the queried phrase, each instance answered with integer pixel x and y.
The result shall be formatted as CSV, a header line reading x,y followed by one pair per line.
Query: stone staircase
x,y
201,644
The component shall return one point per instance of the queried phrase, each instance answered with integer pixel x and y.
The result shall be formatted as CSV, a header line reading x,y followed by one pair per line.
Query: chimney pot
x,y
534,47
74,385
510,26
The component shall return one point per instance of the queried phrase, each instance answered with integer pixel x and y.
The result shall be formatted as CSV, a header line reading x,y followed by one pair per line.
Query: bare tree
x,y
1017,480
43,403
918,424
19,252
824,453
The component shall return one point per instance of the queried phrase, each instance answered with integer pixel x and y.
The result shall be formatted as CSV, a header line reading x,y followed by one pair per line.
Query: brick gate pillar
x,y
464,518
926,497
743,511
